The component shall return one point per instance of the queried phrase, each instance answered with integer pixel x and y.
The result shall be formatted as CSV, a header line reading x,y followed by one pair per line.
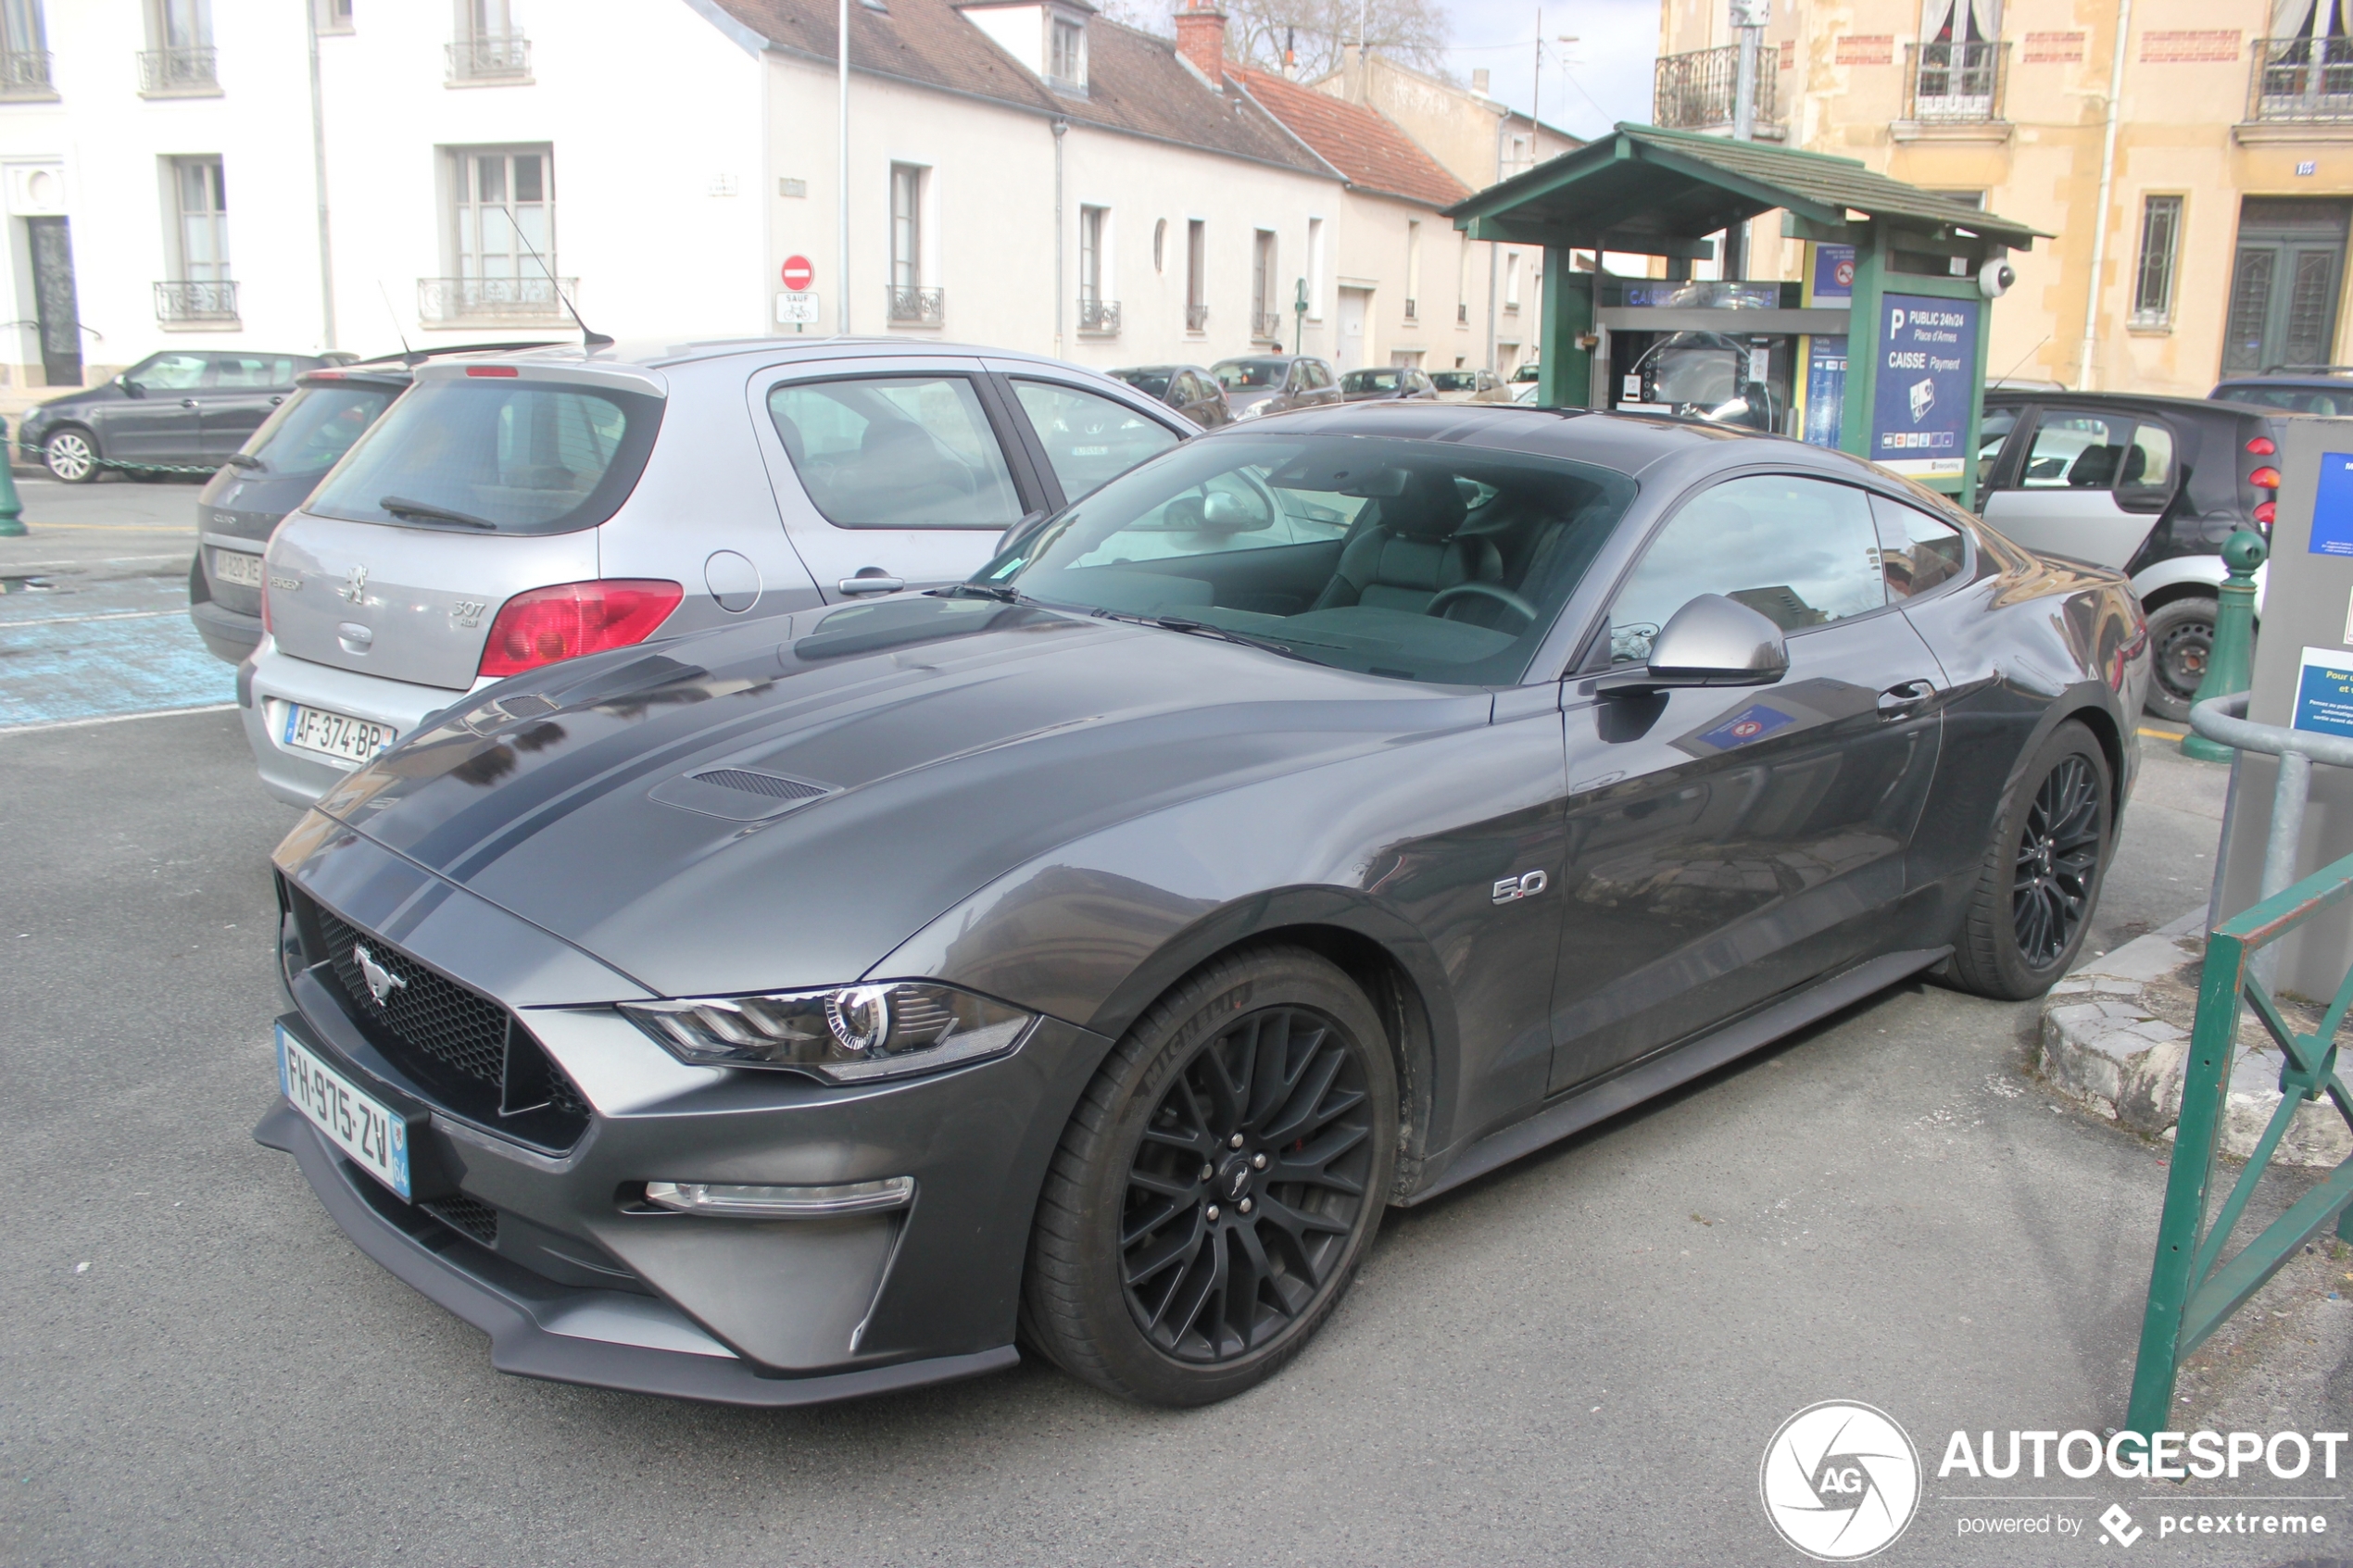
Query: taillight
x,y
571,618
491,370
2261,447
2264,512
2265,478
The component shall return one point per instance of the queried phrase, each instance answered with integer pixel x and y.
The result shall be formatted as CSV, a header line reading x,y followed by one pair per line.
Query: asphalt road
x,y
1579,1360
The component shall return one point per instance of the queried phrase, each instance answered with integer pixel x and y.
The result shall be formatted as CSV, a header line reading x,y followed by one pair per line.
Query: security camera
x,y
1994,279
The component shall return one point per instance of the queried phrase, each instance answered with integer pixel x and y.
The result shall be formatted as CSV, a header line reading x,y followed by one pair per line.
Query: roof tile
x,y
1365,145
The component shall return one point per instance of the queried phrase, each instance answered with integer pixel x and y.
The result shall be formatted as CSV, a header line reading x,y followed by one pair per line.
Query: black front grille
x,y
469,1216
463,1048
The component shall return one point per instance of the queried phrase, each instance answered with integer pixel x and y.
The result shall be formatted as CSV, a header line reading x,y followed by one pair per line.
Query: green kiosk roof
x,y
1651,191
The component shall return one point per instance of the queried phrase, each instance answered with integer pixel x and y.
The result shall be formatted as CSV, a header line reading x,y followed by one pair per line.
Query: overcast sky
x,y
1587,86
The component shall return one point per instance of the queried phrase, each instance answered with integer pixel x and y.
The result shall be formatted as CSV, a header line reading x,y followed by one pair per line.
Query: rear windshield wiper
x,y
427,512
243,460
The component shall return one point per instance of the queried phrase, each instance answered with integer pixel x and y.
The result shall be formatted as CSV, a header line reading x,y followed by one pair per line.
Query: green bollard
x,y
2230,667
11,508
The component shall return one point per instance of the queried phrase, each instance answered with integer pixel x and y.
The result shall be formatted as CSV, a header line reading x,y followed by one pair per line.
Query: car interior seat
x,y
1413,551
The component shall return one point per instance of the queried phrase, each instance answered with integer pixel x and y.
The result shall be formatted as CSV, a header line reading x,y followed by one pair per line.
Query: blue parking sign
x,y
2332,507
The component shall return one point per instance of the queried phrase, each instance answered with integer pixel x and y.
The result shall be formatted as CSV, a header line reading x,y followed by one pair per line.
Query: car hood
x,y
105,392
781,804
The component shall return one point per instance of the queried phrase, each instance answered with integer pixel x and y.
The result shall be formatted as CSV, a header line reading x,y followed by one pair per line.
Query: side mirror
x,y
1712,640
1027,522
1224,513
129,388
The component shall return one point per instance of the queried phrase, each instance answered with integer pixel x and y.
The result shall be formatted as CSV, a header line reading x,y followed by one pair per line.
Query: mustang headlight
x,y
849,1034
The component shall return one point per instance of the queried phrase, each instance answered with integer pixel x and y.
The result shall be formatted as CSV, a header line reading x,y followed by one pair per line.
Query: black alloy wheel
x,y
1246,1185
2039,882
1218,1182
2181,644
2056,858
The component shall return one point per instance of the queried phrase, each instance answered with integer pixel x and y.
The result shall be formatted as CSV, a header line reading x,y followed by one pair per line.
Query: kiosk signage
x,y
1926,387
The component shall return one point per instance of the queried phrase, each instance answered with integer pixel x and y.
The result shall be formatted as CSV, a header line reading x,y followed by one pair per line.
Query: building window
x,y
1066,54
1160,245
1196,275
179,56
1511,279
1266,321
1462,280
906,226
489,46
1412,268
2160,238
1096,314
24,50
333,16
197,245
1314,269
502,238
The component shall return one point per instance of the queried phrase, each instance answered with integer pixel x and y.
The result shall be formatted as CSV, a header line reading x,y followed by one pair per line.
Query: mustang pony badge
x,y
382,982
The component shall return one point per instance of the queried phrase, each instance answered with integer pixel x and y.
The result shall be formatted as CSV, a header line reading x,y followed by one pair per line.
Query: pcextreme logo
x,y
1840,1480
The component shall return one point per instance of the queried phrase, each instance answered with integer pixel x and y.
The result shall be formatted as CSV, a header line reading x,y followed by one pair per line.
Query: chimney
x,y
1478,81
1201,38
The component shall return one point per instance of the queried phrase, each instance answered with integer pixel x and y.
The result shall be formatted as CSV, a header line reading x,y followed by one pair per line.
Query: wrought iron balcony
x,y
187,69
917,307
1700,90
490,57
1196,318
2308,78
24,73
197,299
459,301
1099,316
1954,83
1265,326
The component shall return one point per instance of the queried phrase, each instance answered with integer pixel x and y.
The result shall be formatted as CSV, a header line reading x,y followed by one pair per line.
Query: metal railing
x,y
453,300
2192,1290
1700,88
922,308
24,73
2300,79
197,299
490,57
1265,326
1099,316
1196,318
1946,84
189,68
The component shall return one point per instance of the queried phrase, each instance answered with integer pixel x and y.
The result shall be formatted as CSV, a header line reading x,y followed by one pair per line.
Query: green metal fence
x,y
2191,1291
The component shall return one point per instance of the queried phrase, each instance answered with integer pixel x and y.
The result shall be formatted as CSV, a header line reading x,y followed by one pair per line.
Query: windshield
x,y
501,454
309,430
1151,384
1418,560
1369,381
1244,375
2299,400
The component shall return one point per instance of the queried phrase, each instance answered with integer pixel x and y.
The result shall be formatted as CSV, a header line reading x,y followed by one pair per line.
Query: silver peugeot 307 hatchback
x,y
514,509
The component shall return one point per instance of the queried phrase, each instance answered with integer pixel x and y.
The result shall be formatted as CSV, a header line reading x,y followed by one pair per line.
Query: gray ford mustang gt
x,y
1314,818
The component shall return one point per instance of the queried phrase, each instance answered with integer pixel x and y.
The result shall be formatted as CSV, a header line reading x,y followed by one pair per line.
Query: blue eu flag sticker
x,y
1751,723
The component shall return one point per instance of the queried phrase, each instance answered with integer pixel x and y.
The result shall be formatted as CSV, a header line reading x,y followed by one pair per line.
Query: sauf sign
x,y
1926,385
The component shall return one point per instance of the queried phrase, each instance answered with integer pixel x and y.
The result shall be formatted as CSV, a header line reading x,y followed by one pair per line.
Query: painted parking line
x,y
2163,735
7,730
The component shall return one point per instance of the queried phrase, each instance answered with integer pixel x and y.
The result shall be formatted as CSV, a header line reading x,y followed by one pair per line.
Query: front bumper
x,y
299,777
565,1334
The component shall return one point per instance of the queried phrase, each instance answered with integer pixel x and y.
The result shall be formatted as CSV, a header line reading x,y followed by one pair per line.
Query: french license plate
x,y
372,1133
237,566
334,735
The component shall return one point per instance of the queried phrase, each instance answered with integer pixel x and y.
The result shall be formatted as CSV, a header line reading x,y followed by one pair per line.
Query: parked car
x,y
268,477
1188,389
1526,392
1470,386
515,509
1092,951
2151,486
2301,389
1527,371
1273,384
186,409
1394,382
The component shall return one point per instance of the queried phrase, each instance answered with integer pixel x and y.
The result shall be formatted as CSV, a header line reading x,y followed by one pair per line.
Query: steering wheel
x,y
1504,596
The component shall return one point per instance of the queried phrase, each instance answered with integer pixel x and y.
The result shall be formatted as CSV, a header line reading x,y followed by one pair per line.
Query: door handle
x,y
275,401
877,584
187,402
1904,698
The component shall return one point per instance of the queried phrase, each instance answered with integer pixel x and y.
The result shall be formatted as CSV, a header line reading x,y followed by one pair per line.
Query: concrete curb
x,y
2104,1045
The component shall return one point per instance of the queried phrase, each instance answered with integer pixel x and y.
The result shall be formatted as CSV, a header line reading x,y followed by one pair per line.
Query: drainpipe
x,y
318,176
2107,182
1060,127
841,172
1495,255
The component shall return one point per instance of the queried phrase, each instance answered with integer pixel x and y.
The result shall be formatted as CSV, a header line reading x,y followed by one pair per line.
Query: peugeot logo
x,y
355,584
382,982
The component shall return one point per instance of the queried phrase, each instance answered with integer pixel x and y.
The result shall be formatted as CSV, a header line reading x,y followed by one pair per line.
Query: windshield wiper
x,y
1263,645
1003,592
243,460
427,512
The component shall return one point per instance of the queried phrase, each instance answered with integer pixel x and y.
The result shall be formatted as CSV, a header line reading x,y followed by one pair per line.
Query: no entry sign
x,y
798,273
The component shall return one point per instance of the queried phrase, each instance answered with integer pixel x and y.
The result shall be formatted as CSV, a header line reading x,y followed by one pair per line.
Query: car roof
x,y
2149,401
664,355
2335,377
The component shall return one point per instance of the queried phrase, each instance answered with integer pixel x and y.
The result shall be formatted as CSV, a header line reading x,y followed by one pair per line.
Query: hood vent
x,y
737,794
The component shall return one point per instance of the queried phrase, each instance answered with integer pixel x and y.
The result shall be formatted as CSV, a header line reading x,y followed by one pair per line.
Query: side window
x,y
2075,451
912,451
1089,440
1801,552
2148,461
252,372
1992,431
1917,552
170,372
